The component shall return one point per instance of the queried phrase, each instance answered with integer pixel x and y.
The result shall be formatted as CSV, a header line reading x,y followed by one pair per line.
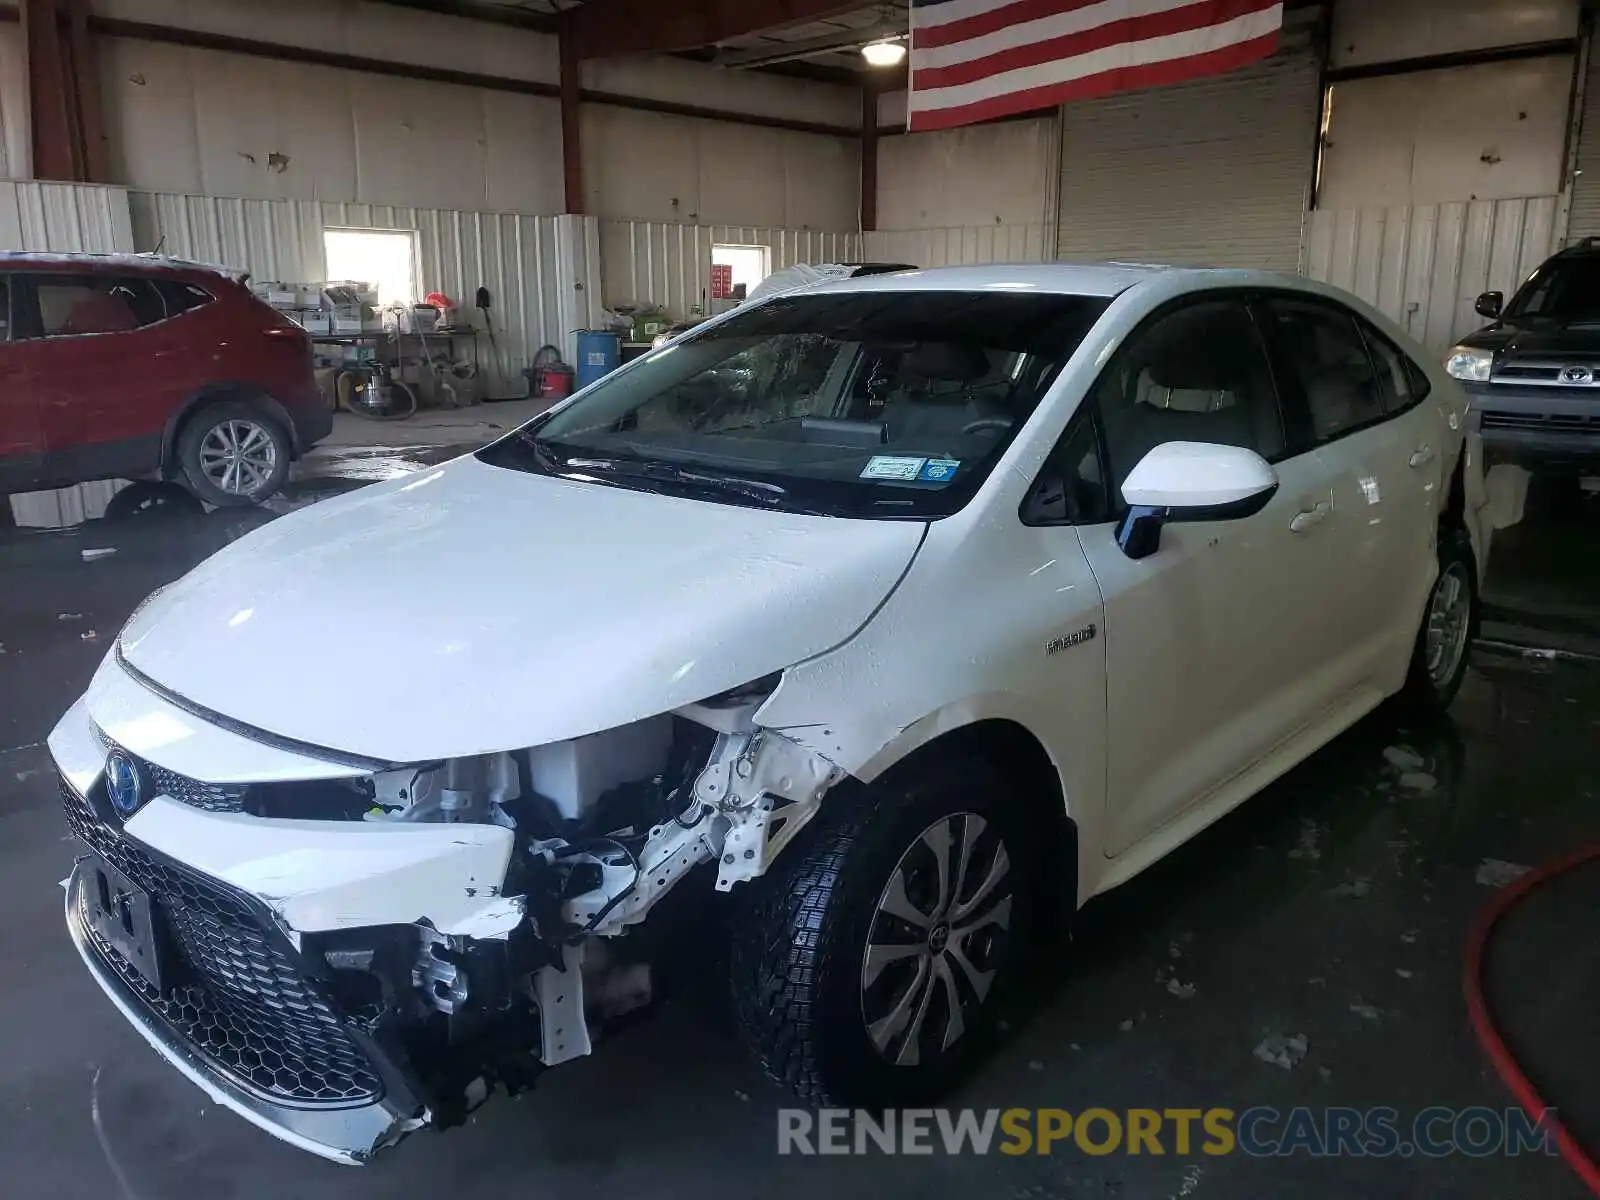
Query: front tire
x,y
233,454
1449,624
870,964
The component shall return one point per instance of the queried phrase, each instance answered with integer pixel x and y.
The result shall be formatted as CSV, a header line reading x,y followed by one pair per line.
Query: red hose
x,y
1483,1022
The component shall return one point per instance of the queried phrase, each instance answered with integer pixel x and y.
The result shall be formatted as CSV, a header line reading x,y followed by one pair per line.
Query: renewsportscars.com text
x,y
1259,1132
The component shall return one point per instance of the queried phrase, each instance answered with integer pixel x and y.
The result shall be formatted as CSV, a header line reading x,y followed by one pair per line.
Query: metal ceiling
x,y
830,44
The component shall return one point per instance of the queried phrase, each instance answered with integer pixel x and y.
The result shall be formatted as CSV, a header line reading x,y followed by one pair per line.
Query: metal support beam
x,y
781,52
606,28
52,140
571,136
90,114
869,157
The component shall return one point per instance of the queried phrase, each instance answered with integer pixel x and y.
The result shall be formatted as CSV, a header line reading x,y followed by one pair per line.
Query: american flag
x,y
972,60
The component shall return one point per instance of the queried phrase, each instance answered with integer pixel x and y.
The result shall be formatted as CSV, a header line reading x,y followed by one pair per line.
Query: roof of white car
x,y
1077,279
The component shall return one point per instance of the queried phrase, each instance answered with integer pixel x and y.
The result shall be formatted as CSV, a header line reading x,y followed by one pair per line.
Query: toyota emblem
x,y
1577,375
124,785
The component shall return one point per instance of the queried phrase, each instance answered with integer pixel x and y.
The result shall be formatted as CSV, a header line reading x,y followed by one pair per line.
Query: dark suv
x,y
1534,375
137,367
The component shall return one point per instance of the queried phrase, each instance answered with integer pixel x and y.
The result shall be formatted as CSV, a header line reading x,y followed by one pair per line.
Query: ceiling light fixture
x,y
884,54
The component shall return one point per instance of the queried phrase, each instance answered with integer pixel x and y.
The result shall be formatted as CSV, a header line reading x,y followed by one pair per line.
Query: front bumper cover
x,y
347,1135
1535,424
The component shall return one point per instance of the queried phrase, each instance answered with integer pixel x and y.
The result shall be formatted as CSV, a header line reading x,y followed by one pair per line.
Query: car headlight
x,y
1469,363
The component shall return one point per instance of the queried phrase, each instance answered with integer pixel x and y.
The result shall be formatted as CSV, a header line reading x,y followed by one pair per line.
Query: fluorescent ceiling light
x,y
883,54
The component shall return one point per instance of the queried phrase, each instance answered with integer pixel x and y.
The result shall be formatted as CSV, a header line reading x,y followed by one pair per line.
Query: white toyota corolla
x,y
911,611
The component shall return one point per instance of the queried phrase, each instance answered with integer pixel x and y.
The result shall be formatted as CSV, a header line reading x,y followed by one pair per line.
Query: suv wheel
x,y
233,454
870,966
1449,623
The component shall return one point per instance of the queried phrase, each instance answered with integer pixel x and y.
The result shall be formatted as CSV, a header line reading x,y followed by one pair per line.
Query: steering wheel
x,y
982,423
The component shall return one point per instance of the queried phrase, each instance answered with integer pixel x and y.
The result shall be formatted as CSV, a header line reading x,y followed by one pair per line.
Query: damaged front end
x,y
344,961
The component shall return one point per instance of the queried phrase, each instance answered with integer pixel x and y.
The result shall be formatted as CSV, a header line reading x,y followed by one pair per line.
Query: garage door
x,y
1585,219
1214,172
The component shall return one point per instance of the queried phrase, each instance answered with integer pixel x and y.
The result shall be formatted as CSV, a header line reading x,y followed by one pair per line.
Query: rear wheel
x,y
1449,623
870,967
233,454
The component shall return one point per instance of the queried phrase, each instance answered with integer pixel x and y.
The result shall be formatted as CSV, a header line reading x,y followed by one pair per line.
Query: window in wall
x,y
384,258
749,265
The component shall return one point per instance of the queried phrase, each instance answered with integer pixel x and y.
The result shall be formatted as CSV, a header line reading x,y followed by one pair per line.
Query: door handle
x,y
1306,518
1422,456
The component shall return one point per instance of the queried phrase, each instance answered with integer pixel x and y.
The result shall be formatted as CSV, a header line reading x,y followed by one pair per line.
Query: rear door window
x,y
76,305
182,297
1401,383
1326,358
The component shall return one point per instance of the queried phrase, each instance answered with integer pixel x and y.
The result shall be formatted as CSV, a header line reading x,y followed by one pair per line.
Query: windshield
x,y
871,404
1564,289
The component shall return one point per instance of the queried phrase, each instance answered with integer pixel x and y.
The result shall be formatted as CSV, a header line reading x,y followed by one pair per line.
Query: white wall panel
x,y
648,166
1488,132
356,27
681,82
64,216
979,175
1424,265
539,282
667,264
958,244
1371,31
208,123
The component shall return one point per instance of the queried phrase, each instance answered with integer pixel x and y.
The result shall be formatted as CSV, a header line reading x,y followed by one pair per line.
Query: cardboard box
x,y
345,324
316,322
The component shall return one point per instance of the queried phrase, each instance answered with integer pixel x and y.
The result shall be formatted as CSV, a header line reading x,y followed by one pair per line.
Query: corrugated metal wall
x,y
1423,265
64,216
517,257
656,262
957,244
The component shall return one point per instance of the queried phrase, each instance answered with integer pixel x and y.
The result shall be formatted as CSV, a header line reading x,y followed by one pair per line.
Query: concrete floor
x,y
1333,906
432,426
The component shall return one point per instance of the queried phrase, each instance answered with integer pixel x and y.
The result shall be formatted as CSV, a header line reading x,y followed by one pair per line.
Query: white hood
x,y
471,609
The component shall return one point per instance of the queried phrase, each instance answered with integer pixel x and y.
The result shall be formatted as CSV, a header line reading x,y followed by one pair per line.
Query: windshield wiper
x,y
549,461
760,490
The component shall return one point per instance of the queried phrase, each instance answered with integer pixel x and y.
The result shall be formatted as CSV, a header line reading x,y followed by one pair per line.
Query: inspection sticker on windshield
x,y
892,466
939,470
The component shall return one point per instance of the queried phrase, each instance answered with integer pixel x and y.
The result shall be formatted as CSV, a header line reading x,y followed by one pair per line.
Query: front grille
x,y
212,797
1542,422
240,999
1526,374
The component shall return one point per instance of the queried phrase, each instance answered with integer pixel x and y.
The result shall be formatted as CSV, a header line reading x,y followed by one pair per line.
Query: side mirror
x,y
1191,481
1490,305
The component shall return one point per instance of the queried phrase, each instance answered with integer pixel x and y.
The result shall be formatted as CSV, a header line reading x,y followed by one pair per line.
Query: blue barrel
x,y
599,353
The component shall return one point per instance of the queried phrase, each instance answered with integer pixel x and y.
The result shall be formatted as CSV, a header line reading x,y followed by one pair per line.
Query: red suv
x,y
137,367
